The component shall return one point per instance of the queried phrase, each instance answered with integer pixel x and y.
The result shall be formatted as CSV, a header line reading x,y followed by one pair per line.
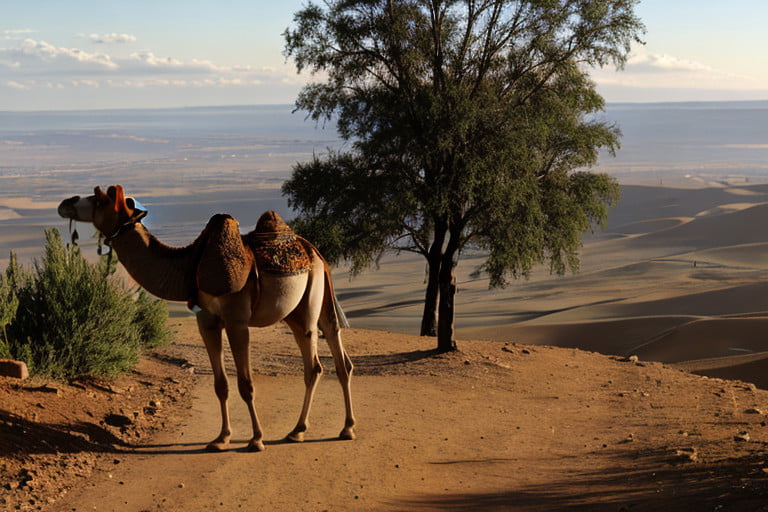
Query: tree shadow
x,y
367,363
656,484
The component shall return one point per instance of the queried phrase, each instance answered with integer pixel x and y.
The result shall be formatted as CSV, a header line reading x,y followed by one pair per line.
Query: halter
x,y
139,212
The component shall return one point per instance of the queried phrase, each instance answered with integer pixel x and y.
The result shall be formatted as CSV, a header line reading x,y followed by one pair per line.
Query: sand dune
x,y
666,288
665,279
707,338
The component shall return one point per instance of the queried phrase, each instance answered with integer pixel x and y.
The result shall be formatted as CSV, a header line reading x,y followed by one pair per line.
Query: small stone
x,y
15,369
741,437
753,410
687,455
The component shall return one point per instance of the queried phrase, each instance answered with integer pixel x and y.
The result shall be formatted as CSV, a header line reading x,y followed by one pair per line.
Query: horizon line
x,y
293,106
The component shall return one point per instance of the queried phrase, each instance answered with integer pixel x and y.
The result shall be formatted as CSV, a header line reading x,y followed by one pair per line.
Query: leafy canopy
x,y
468,122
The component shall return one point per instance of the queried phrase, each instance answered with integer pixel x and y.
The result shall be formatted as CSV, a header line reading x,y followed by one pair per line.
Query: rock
x,y
15,369
687,455
741,437
117,420
45,388
753,410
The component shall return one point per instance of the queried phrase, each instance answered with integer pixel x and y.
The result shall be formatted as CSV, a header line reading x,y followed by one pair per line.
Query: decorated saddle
x,y
277,250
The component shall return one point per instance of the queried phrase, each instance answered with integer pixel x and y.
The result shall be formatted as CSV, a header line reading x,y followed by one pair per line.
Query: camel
x,y
222,279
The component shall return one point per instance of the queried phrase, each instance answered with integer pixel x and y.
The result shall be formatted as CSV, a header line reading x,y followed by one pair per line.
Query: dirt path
x,y
393,461
495,427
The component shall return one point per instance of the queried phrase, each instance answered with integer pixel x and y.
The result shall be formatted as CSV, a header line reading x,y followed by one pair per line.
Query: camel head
x,y
107,211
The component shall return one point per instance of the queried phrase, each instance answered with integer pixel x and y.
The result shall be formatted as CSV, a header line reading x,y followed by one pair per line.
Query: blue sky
x,y
166,53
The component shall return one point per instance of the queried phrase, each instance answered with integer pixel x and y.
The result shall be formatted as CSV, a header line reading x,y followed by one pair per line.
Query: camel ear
x,y
100,196
119,197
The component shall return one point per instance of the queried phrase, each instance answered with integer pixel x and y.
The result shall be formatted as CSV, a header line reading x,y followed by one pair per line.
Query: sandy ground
x,y
493,427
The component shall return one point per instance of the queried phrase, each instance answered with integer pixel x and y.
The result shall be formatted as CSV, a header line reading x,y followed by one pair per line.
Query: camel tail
x,y
341,318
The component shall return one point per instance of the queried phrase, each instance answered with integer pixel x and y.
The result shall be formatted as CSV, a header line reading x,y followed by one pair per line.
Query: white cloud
x,y
32,53
16,34
112,38
16,85
18,31
651,62
647,71
32,64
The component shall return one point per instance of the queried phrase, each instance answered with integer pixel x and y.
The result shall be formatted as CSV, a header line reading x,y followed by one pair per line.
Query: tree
x,y
468,123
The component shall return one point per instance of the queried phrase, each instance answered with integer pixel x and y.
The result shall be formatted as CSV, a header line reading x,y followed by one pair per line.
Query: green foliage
x,y
74,319
9,303
469,122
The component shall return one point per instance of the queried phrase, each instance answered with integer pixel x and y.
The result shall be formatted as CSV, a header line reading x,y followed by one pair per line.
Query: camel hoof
x,y
347,434
217,446
295,437
256,446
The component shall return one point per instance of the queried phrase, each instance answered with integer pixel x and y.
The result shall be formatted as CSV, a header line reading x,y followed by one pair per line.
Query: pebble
x,y
741,437
687,454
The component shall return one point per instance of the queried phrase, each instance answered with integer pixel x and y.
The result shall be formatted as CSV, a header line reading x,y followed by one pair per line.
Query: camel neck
x,y
164,271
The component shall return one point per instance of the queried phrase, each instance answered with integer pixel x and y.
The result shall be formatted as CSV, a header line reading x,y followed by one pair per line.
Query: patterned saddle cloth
x,y
276,248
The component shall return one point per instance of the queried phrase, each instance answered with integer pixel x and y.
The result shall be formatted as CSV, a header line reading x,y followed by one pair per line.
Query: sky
x,y
84,54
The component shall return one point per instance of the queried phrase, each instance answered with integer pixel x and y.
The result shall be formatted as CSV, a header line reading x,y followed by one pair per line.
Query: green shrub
x,y
75,318
9,303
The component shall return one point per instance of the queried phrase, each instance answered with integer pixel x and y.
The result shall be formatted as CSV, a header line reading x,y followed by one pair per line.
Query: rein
x,y
104,243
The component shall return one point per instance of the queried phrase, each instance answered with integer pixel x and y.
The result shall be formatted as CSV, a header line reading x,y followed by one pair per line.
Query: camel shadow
x,y
236,445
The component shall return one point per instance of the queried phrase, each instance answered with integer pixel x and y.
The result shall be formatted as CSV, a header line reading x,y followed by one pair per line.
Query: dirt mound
x,y
52,434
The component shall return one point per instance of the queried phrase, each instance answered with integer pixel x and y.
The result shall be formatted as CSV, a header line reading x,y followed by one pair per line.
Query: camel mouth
x,y
67,207
76,208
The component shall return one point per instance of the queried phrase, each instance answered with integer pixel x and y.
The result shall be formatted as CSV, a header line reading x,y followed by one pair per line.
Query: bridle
x,y
106,240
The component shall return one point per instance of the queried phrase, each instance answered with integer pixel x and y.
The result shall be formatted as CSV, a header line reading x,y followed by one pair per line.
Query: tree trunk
x,y
434,258
446,304
429,317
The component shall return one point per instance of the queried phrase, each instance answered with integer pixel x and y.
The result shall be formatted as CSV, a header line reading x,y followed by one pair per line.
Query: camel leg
x,y
343,371
210,329
306,338
238,340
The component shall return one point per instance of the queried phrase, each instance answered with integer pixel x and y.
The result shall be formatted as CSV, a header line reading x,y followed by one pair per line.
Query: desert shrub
x,y
9,303
74,318
151,316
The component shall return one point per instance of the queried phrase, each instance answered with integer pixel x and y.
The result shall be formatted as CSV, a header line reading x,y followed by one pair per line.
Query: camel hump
x,y
276,248
224,263
271,222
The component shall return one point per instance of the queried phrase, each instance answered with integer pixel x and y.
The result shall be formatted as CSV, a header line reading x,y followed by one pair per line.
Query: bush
x,y
75,318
